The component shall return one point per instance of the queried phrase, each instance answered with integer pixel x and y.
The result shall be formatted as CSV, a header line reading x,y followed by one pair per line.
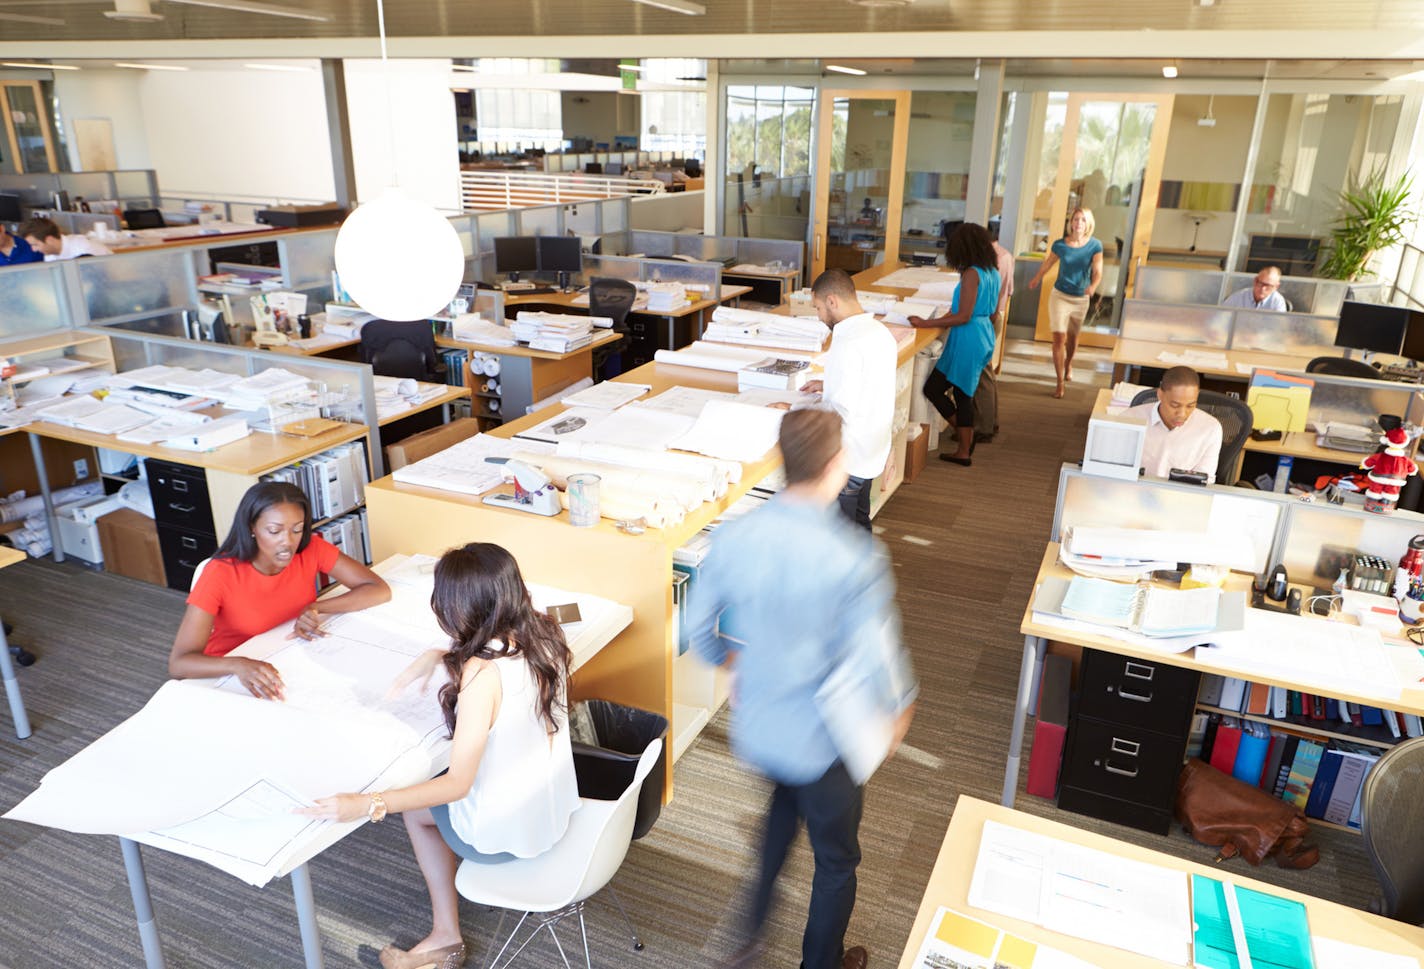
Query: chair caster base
x,y
23,656
638,946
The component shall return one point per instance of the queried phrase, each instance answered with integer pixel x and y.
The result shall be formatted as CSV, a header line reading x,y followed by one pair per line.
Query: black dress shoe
x,y
966,462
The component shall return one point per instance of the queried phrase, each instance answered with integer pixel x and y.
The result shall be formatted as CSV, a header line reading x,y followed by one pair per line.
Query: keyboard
x,y
1402,374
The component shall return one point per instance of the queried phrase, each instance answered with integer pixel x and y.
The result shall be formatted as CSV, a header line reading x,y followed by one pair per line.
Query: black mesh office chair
x,y
612,298
144,219
1235,418
1342,367
1393,827
401,350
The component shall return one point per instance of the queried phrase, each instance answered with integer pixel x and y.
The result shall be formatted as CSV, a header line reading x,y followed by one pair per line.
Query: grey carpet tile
x,y
966,543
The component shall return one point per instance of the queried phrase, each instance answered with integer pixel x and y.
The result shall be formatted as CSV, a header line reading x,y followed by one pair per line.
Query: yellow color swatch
x,y
968,934
1016,953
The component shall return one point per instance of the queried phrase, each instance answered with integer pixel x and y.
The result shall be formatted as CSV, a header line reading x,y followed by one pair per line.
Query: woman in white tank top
x,y
510,787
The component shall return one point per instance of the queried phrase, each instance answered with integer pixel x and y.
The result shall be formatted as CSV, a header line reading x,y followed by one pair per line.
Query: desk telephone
x,y
1275,588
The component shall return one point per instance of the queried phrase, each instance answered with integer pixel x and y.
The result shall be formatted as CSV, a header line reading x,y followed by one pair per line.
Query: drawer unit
x,y
1126,738
182,551
180,496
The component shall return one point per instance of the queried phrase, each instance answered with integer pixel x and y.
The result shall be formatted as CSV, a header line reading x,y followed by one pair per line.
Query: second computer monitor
x,y
10,208
562,255
1373,327
515,255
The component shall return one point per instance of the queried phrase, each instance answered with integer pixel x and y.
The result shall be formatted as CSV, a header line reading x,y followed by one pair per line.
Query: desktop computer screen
x,y
1372,327
515,255
1414,336
562,254
10,208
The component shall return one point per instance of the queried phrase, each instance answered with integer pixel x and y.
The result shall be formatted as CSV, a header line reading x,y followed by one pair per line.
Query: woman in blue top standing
x,y
1080,269
970,341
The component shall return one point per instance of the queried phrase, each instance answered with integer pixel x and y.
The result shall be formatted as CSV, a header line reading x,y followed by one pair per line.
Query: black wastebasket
x,y
605,771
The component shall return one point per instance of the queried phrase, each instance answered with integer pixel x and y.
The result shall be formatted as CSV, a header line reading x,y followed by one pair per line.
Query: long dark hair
x,y
479,598
240,543
970,245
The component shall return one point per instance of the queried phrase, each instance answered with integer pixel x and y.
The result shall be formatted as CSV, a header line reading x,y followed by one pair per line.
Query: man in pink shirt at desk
x,y
1178,434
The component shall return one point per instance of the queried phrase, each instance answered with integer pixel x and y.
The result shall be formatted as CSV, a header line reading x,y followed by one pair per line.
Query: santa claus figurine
x,y
1387,472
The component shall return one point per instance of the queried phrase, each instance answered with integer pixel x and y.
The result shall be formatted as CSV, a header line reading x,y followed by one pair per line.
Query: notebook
x,y
1150,610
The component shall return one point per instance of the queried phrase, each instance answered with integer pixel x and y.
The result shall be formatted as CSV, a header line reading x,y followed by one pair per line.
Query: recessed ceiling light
x,y
1169,71
39,67
845,70
676,6
150,67
295,68
882,4
630,67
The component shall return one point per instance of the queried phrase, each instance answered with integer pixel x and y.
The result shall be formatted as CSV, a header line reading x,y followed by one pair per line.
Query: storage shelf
x,y
1337,730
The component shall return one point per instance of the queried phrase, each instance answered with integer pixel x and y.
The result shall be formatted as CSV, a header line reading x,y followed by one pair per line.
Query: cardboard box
x,y
130,543
917,451
422,445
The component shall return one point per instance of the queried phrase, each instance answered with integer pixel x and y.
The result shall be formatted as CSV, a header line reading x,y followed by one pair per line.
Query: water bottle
x,y
1283,472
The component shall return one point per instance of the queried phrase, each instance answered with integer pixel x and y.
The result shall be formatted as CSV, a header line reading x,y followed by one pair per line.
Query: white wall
x,y
600,115
426,159
1198,154
234,132
112,94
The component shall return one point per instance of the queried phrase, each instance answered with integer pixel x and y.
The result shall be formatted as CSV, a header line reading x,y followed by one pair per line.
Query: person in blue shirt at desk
x,y
14,250
804,592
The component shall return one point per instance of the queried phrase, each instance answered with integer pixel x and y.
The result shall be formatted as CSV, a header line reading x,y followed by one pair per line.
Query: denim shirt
x,y
800,590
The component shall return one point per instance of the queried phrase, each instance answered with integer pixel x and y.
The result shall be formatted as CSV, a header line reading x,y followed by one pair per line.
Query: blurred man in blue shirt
x,y
788,595
14,250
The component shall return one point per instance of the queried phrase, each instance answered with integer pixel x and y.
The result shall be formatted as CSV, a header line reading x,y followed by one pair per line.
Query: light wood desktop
x,y
954,868
1129,353
146,240
1037,634
447,395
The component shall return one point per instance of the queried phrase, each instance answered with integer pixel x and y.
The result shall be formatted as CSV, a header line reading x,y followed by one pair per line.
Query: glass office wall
x,y
674,121
768,150
1207,145
937,169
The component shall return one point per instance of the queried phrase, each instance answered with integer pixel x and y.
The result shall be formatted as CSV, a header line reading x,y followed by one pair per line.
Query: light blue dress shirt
x,y
800,590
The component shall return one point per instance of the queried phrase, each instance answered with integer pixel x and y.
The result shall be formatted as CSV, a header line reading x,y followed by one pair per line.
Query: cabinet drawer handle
x,y
179,485
188,542
1137,697
1138,671
1128,747
184,563
184,509
1107,766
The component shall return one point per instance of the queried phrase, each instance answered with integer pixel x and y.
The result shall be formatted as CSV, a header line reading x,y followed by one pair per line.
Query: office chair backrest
x,y
612,298
399,349
144,219
1342,367
1235,419
1393,827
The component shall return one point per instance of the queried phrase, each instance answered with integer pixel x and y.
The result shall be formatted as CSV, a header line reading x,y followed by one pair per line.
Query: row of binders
x,y
350,536
334,480
1321,776
1258,699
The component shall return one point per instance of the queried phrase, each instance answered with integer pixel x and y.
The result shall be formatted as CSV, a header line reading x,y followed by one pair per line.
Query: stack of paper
x,y
753,328
714,356
462,467
608,395
397,394
1123,394
473,328
264,389
666,297
554,332
1231,549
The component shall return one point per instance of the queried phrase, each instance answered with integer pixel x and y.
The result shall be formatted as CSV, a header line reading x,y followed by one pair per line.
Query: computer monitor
x,y
10,208
1372,327
562,255
1414,336
515,255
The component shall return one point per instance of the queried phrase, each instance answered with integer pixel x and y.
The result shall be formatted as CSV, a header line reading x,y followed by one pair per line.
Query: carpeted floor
x,y
966,543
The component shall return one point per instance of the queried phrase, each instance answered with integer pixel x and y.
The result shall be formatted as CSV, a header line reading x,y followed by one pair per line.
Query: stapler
x,y
533,491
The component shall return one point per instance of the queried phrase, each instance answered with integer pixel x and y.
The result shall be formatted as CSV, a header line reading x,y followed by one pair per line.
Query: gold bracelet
x,y
377,811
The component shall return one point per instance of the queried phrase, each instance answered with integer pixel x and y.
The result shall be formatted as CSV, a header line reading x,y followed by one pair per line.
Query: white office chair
x,y
555,885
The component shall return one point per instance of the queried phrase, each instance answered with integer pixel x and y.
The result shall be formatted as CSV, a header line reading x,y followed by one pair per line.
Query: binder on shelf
x,y
1228,743
1255,745
1050,729
1292,744
1324,784
1302,772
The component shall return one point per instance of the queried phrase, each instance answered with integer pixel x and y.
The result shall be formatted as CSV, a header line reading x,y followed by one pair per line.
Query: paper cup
x,y
583,500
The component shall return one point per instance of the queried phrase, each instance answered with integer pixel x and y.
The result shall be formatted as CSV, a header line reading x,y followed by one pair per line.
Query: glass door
x,y
1110,162
27,127
860,179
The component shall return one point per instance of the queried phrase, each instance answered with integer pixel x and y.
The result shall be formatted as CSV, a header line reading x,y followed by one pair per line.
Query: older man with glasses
x,y
1262,294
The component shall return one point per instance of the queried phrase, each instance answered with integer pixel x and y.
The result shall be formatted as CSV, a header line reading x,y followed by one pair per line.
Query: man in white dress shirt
x,y
45,236
1178,434
859,385
1261,294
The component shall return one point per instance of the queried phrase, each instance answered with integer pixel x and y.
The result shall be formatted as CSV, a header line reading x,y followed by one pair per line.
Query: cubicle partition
x,y
787,253
1304,294
136,188
706,274
1224,328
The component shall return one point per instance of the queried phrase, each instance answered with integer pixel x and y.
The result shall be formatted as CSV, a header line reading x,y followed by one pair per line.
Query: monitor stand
x,y
563,281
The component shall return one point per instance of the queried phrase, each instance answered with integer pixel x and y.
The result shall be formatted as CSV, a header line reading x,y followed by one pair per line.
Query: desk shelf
x,y
1339,730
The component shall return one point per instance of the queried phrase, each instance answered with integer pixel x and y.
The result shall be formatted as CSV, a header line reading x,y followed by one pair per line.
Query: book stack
x,y
666,297
553,332
334,480
774,373
753,328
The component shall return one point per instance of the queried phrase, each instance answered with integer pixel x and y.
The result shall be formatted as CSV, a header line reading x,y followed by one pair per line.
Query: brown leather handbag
x,y
1217,809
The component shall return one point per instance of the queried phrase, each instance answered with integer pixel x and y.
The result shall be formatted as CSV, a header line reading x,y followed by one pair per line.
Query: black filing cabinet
x,y
1126,738
184,515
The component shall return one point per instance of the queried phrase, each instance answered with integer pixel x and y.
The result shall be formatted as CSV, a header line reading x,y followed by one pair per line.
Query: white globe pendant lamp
x,y
398,257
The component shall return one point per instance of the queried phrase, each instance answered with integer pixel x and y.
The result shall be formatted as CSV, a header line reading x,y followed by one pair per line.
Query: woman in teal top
x,y
970,341
1079,258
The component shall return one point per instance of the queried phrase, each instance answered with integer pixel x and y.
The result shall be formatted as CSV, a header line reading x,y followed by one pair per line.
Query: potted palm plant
x,y
1375,215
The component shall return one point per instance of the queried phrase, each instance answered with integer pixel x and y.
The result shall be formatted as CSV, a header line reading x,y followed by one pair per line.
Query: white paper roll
x,y
491,366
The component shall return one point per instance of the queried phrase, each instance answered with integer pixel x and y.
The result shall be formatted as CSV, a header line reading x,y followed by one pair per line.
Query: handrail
x,y
484,190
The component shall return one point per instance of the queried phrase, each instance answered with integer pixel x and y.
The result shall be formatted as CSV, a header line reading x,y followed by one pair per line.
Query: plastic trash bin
x,y
605,768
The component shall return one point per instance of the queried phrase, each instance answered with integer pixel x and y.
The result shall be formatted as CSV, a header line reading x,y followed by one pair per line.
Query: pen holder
x,y
583,500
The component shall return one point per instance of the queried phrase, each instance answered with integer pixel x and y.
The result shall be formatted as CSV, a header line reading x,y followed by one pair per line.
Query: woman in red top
x,y
265,574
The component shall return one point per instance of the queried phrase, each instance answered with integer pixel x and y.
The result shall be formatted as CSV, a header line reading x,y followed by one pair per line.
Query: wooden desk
x,y
11,556
146,240
1143,353
447,395
1036,637
954,868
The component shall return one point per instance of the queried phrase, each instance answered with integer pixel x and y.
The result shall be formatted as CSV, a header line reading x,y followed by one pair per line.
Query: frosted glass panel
x,y
308,257
1292,333
29,300
543,221
493,225
133,184
135,282
581,219
1175,323
615,215
1178,285
615,266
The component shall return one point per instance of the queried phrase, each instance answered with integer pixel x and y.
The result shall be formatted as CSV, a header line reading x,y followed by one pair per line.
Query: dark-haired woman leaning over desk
x,y
265,574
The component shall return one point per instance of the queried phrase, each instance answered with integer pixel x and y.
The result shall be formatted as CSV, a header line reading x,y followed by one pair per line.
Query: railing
x,y
482,191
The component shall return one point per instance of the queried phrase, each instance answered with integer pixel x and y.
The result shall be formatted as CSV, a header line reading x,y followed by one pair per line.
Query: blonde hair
x,y
1087,217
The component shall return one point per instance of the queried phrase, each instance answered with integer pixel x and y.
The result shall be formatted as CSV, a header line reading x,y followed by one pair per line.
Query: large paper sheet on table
x,y
734,432
1333,654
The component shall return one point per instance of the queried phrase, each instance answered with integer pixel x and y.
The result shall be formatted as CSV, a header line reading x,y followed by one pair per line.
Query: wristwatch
x,y
377,811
